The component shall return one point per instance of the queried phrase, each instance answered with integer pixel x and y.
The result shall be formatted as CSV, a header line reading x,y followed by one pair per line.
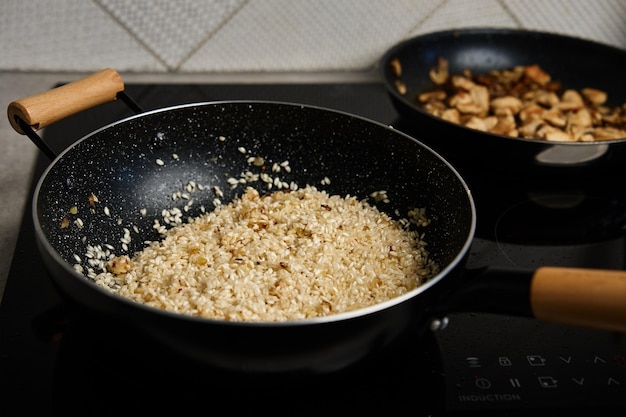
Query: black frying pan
x,y
577,63
117,163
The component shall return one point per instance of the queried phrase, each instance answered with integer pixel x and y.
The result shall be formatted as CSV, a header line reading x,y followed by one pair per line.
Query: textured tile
x,y
264,35
601,20
302,35
66,35
456,14
171,29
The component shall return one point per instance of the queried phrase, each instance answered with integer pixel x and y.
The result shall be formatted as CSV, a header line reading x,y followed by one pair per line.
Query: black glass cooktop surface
x,y
56,363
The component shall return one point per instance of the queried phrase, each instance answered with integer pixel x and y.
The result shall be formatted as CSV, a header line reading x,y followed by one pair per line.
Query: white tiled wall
x,y
264,35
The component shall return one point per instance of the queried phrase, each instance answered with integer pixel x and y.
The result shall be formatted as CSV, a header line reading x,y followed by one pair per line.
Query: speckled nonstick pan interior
x,y
577,63
134,166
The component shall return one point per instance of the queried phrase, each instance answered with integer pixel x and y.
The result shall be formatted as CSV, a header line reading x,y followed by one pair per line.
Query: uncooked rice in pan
x,y
288,255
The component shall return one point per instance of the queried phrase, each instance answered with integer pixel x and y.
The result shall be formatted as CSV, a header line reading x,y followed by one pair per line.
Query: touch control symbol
x,y
473,362
547,382
613,381
536,360
483,383
504,361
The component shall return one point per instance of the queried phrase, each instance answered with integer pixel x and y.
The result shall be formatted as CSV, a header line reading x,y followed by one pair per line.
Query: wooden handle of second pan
x,y
43,109
587,297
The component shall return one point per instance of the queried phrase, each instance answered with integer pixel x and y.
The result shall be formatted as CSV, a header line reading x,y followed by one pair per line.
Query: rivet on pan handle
x,y
584,297
46,108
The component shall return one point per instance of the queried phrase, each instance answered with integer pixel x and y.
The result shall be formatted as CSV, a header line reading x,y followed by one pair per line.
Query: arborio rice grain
x,y
288,255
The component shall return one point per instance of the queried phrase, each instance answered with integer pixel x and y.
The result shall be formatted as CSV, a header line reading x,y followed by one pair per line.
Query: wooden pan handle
x,y
587,297
43,109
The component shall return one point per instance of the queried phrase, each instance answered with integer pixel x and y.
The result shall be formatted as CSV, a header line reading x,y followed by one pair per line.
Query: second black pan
x,y
577,63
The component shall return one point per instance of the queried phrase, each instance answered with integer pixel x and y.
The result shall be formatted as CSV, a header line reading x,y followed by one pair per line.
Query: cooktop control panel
x,y
502,369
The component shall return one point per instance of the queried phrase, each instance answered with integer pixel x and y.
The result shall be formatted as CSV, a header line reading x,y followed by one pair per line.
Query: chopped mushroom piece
x,y
92,200
536,74
580,118
514,104
439,74
396,67
120,265
451,115
438,95
462,83
542,97
531,112
554,117
571,100
485,124
401,87
524,102
529,130
609,133
480,96
506,125
558,136
595,97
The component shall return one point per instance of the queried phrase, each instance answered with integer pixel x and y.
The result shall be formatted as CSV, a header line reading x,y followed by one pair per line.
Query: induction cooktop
x,y
56,363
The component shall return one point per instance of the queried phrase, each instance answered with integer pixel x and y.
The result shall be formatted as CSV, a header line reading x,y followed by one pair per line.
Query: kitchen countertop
x,y
18,156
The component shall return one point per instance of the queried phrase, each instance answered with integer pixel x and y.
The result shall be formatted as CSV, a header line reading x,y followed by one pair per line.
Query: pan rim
x,y
68,268
383,63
